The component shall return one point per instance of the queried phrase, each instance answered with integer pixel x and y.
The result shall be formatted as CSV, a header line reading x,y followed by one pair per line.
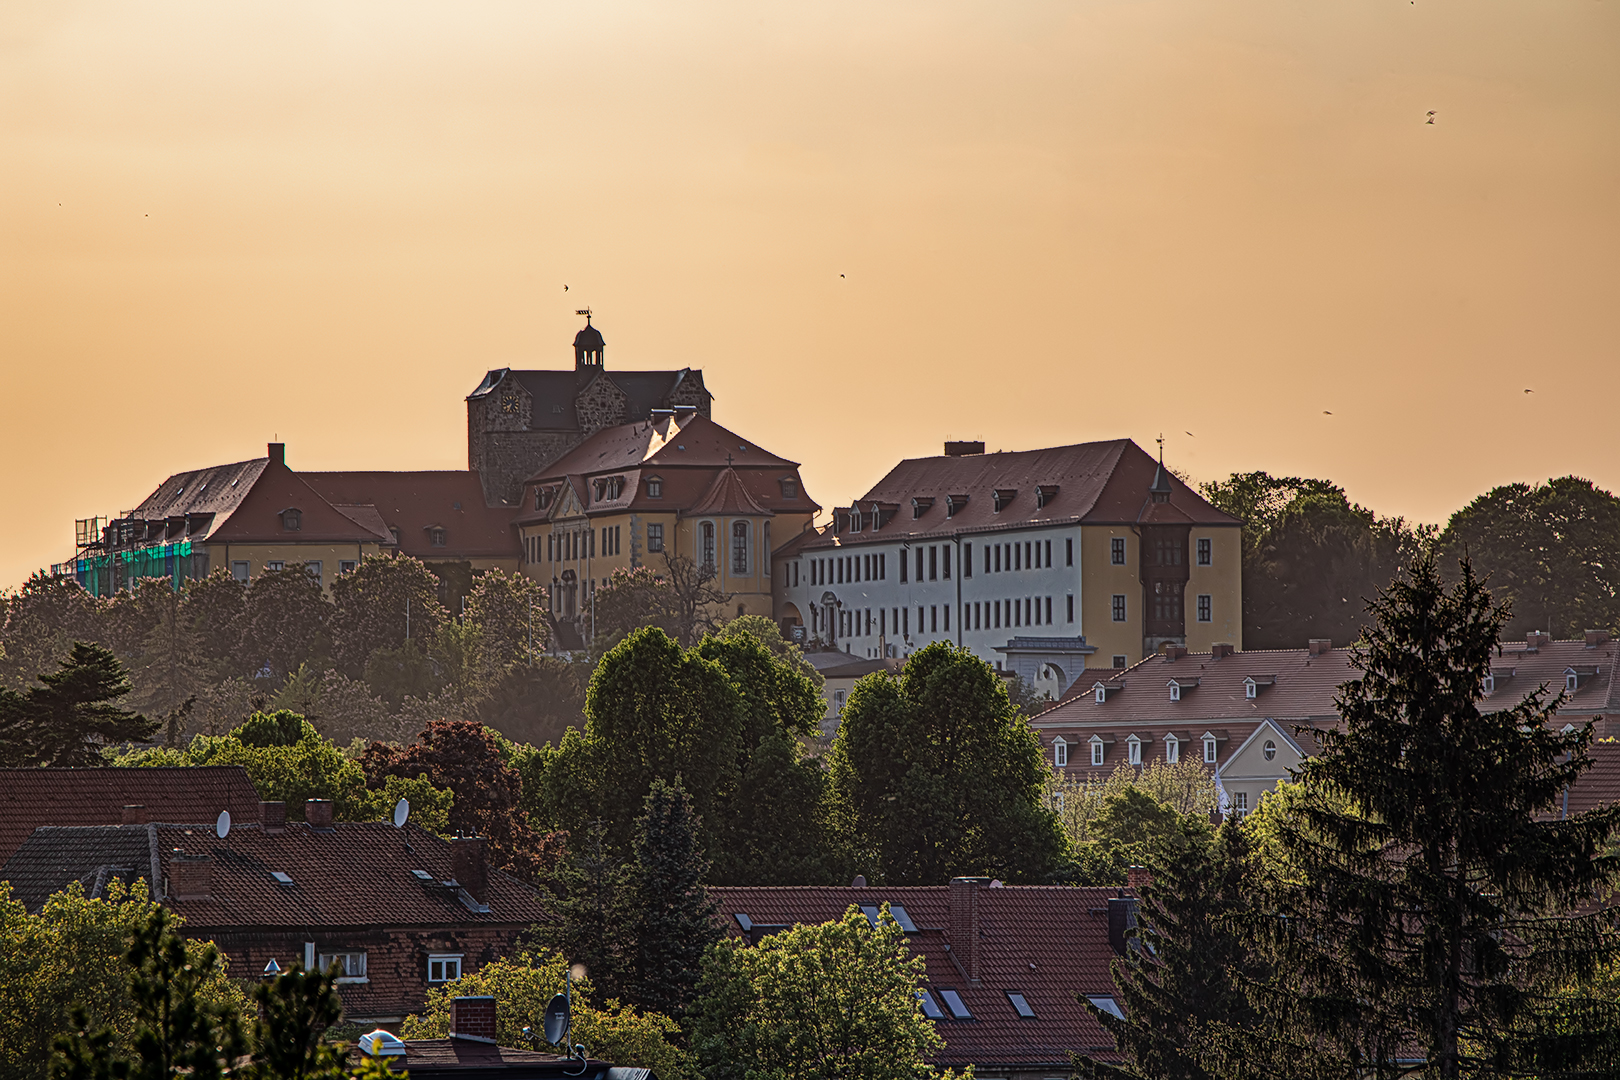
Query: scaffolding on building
x,y
112,556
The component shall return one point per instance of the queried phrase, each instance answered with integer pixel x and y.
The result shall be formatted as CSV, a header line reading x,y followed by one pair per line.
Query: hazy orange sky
x,y
1059,221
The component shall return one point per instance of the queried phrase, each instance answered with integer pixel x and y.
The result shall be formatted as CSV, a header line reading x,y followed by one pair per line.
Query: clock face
x,y
510,402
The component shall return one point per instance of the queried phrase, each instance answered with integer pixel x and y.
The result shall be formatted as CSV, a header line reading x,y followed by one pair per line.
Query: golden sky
x,y
873,225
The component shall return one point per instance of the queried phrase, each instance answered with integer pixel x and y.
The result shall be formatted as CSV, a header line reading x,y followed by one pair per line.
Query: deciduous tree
x,y
381,604
286,622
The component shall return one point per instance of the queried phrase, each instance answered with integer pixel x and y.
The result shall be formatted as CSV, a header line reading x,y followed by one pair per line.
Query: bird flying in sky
x,y
1431,116
1326,412
1529,391
565,288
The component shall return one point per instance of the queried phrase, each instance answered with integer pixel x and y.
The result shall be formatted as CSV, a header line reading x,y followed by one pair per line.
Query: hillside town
x,y
613,751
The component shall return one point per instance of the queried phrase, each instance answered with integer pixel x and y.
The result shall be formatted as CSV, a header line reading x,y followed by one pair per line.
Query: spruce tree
x,y
1175,985
671,918
587,906
1431,927
73,715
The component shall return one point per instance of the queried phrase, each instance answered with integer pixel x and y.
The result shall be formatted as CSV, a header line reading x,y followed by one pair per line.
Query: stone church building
x,y
519,422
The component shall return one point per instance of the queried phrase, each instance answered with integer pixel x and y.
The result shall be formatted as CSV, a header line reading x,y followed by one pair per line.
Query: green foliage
x,y
935,775
837,1000
523,985
671,919
313,767
395,673
41,622
628,600
536,702
295,1011
1426,905
588,901
1179,986
286,622
1310,557
280,728
1185,787
1550,550
216,608
71,955
178,1022
383,603
72,716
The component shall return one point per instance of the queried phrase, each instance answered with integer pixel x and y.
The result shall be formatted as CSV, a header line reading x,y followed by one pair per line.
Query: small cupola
x,y
1160,491
588,343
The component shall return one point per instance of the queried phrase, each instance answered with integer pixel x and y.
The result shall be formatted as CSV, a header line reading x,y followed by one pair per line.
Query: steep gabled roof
x,y
216,490
726,495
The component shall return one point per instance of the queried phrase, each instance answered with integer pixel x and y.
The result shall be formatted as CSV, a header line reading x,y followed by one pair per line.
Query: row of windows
x,y
241,570
740,545
850,568
609,488
1166,606
1167,553
1133,750
1028,555
351,965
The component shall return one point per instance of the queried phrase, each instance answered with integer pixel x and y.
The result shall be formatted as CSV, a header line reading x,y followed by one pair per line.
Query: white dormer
x,y
1172,748
1060,752
1211,747
1577,676
1099,749
1101,690
1133,750
1253,685
1181,686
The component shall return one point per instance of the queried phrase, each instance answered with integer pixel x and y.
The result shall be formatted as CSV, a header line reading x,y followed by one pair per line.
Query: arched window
x,y
706,533
739,547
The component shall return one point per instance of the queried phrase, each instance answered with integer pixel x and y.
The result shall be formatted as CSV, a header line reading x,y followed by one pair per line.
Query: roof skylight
x,y
954,1002
902,918
930,1007
422,875
1107,1005
1020,1005
281,878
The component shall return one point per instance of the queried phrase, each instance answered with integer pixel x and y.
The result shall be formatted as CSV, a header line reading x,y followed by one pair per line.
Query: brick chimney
x,y
964,448
133,815
191,877
468,865
1536,639
1137,876
1221,650
278,453
273,816
1173,651
1594,638
1320,646
473,1018
965,944
318,812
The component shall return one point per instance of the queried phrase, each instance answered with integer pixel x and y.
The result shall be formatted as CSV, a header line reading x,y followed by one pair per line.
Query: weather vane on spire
x,y
1161,448
587,313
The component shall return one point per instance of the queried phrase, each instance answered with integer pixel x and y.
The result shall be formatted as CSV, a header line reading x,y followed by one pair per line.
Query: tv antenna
x,y
585,312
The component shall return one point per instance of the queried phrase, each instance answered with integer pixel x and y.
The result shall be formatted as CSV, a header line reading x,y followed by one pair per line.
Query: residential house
x,y
30,798
1250,717
676,484
399,910
1042,562
1006,965
521,422
470,1052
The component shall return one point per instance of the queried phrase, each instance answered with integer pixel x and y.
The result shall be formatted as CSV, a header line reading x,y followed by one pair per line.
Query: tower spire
x,y
588,343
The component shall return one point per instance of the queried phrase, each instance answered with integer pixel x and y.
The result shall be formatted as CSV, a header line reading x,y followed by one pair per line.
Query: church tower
x,y
588,344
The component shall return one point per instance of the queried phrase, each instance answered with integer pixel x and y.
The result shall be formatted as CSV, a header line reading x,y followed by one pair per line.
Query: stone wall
x,y
507,458
601,404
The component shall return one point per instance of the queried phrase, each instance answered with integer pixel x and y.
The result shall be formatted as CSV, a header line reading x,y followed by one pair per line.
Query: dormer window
x,y
1209,749
1045,494
655,487
790,488
1099,749
1578,676
1489,685
1060,752
1181,686
919,507
1103,689
1133,750
292,520
1172,749
1002,497
953,503
1254,684
436,535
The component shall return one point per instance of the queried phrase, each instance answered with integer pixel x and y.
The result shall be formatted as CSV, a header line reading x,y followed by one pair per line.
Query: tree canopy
x,y
72,715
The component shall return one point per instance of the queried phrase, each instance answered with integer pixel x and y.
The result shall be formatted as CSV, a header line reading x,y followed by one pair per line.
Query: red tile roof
x,y
726,495
1090,483
30,798
1048,943
416,502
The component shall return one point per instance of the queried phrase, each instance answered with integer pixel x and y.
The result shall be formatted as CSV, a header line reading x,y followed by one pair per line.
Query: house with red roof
x,y
399,910
675,485
1006,965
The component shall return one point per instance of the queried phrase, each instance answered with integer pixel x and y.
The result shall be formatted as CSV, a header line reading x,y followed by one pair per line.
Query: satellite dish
x,y
402,813
557,1019
222,827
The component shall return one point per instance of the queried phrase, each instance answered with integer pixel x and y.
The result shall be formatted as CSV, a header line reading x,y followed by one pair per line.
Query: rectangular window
x,y
1119,607
1028,620
945,556
1205,554
275,564
953,1002
987,548
1049,611
1060,753
1240,804
1133,752
1209,751
1097,752
1048,554
922,621
905,628
655,539
933,618
933,563
998,556
592,540
919,564
883,621
239,571
1071,608
1204,610
1068,552
444,967
903,565
883,566
1172,752
995,613
314,568
351,965
947,618
346,566
1031,560
838,571
1018,556
967,560
1119,661
1116,551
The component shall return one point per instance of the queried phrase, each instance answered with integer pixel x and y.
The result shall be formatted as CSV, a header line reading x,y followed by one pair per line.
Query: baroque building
x,y
520,422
